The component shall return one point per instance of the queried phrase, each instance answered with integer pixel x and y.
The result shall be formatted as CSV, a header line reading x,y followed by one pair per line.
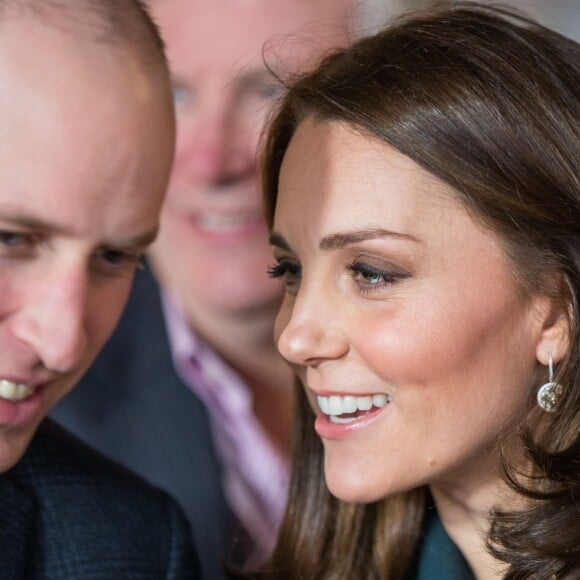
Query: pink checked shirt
x,y
255,477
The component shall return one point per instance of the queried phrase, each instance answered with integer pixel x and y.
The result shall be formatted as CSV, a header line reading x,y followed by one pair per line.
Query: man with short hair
x,y
205,405
87,142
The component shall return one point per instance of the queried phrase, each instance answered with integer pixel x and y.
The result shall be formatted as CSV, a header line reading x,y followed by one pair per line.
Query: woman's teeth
x,y
14,391
336,405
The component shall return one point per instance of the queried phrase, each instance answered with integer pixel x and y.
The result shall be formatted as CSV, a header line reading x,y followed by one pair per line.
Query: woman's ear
x,y
555,319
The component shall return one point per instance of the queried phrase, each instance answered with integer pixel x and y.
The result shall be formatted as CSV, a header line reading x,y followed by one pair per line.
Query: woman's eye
x,y
371,277
290,271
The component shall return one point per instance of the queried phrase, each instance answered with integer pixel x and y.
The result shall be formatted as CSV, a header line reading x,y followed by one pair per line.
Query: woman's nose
x,y
308,330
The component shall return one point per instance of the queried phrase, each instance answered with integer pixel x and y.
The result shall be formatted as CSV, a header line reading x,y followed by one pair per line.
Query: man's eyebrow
x,y
34,223
141,240
340,240
31,222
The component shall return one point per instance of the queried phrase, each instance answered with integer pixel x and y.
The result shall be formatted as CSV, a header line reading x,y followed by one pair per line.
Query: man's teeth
x,y
14,391
337,405
225,222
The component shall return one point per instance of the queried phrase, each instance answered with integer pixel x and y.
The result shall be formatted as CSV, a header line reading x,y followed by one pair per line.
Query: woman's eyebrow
x,y
342,239
279,241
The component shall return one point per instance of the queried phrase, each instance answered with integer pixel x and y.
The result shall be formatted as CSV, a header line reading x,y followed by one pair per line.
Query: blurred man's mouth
x,y
230,223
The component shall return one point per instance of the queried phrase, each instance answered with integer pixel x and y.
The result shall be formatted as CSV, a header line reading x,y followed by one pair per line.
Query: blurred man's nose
x,y
53,318
215,147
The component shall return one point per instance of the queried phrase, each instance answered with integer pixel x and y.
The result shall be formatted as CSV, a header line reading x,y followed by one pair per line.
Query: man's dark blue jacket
x,y
67,513
133,407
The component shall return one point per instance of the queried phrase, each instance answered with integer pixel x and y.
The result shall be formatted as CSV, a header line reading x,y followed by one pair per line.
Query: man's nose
x,y
309,331
216,146
53,319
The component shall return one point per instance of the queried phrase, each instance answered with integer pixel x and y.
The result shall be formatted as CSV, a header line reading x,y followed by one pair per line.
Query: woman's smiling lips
x,y
341,414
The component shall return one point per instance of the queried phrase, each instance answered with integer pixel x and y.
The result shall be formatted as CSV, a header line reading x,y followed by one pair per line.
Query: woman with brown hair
x,y
423,193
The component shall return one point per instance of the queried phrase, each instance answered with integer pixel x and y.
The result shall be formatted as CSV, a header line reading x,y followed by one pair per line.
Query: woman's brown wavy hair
x,y
488,102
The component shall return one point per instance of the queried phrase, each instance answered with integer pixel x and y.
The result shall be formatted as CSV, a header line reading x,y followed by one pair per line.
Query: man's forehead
x,y
237,36
255,20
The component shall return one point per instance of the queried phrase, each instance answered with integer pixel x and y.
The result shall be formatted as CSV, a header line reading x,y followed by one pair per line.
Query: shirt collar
x,y
200,366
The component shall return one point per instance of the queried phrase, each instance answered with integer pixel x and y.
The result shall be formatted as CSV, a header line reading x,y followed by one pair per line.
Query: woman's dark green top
x,y
438,558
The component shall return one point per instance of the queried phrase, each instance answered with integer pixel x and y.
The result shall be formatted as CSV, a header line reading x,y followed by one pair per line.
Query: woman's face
x,y
400,306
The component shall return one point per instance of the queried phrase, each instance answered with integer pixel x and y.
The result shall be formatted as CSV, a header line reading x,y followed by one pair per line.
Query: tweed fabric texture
x,y
66,512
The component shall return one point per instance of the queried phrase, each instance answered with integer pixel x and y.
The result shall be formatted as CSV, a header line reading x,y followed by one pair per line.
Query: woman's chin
x,y
356,491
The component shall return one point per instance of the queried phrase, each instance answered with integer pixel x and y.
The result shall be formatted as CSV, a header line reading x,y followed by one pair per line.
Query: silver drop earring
x,y
549,393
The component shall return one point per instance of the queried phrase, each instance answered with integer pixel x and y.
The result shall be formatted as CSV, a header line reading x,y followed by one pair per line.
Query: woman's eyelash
x,y
366,277
276,270
283,268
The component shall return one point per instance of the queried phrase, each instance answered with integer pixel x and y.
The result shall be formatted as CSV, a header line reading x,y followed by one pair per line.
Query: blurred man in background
x,y
191,392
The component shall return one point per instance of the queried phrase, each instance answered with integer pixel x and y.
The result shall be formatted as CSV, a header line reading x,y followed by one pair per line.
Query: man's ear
x,y
555,319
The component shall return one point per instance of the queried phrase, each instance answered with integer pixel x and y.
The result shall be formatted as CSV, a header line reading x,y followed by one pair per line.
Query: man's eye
x,y
269,91
119,260
14,239
17,244
114,257
181,95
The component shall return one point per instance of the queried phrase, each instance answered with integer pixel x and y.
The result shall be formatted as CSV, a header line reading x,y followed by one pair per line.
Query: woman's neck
x,y
464,509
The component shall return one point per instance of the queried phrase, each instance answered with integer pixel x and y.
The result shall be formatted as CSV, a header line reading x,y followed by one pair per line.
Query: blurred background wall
x,y
561,15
